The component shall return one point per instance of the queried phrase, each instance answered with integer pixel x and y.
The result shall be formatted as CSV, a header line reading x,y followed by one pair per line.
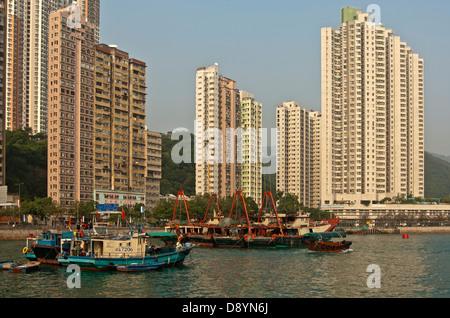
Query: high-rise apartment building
x,y
372,132
315,118
218,116
27,60
294,174
71,110
90,9
154,169
3,23
120,157
207,117
251,167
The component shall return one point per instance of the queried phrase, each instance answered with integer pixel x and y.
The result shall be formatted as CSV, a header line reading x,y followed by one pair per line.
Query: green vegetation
x,y
26,164
437,177
176,177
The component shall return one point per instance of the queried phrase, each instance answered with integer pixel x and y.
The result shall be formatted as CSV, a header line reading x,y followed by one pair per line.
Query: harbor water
x,y
418,267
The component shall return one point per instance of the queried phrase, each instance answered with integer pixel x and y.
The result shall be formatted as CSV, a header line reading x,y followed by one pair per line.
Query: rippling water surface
x,y
417,267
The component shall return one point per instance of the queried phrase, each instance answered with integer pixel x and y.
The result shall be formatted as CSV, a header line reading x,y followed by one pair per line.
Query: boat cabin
x,y
120,246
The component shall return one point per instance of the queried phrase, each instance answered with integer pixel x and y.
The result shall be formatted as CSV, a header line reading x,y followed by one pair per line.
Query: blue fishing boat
x,y
106,254
47,248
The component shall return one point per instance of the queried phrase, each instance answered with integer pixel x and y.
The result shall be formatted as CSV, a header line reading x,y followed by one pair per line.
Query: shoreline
x,y
21,233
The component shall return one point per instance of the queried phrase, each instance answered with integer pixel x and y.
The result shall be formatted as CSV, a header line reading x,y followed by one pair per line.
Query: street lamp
x,y
20,203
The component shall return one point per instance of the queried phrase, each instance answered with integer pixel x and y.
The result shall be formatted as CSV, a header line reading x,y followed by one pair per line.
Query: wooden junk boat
x,y
241,231
322,242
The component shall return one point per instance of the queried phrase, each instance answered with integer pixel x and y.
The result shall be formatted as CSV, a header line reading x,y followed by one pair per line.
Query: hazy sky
x,y
270,48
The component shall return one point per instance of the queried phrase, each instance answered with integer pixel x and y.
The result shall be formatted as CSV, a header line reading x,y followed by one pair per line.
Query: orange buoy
x,y
405,236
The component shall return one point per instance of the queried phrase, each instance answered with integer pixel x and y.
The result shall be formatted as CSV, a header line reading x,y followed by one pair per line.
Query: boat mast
x,y
207,209
241,195
272,202
181,193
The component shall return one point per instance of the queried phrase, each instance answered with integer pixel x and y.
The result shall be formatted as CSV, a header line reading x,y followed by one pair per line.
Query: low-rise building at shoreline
x,y
383,214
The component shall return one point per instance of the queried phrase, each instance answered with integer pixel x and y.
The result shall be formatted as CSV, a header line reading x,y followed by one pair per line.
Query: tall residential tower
x,y
372,132
222,112
120,158
71,110
28,40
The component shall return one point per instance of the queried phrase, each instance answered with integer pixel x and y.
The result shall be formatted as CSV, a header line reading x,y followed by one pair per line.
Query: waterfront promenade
x,y
20,232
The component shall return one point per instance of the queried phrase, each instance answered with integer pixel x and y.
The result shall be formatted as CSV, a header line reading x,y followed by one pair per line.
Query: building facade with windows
x,y
372,130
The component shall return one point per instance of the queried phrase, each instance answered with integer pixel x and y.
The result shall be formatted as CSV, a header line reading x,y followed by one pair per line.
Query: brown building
x,y
71,110
154,169
3,23
120,160
229,117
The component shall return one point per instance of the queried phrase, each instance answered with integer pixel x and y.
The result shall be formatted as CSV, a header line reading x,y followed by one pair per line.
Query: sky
x,y
270,48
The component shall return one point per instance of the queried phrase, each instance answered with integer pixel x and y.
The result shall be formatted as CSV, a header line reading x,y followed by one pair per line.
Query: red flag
x,y
123,214
70,221
98,219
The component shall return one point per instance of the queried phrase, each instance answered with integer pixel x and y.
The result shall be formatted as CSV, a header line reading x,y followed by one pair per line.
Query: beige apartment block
x,y
296,151
372,130
71,110
207,117
217,107
315,118
154,169
251,166
120,159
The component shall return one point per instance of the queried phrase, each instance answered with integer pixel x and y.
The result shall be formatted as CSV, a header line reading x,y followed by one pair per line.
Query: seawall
x,y
425,229
20,233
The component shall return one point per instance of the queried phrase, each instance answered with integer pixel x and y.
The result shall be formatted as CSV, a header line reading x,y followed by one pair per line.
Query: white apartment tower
x,y
251,167
207,117
294,151
372,130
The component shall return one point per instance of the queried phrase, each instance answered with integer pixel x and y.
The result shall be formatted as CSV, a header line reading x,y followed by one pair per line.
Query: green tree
x,y
289,204
26,164
39,207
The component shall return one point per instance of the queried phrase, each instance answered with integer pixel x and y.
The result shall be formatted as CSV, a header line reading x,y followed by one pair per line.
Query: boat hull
x,y
6,265
261,242
290,241
111,264
25,268
328,247
202,240
230,242
139,267
46,254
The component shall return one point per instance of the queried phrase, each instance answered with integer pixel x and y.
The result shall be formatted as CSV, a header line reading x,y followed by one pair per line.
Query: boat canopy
x,y
327,235
161,234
